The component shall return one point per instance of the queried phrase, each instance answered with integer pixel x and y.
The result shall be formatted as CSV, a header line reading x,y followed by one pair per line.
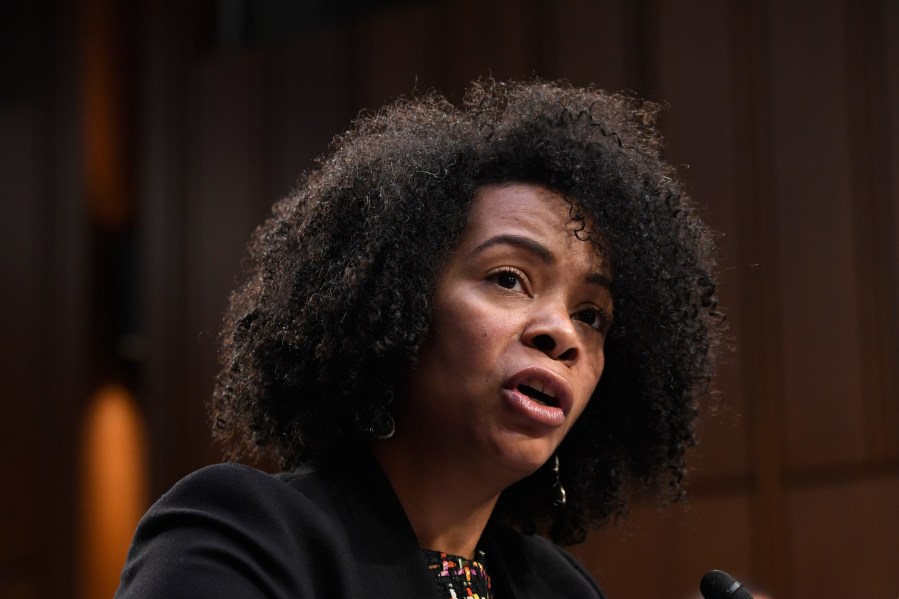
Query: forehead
x,y
533,211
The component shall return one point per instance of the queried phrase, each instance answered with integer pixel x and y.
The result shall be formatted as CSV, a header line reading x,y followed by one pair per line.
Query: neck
x,y
446,506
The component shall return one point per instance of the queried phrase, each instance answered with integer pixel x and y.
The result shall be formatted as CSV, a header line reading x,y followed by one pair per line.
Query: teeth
x,y
535,393
539,386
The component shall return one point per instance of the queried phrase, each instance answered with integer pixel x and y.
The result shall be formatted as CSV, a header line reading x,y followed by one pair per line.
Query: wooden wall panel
x,y
591,42
846,539
890,32
814,213
497,38
699,134
20,589
889,28
164,58
665,553
759,351
22,424
311,101
397,54
226,176
65,333
875,234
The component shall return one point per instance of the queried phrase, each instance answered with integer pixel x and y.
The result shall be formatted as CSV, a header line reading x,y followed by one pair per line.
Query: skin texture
x,y
521,299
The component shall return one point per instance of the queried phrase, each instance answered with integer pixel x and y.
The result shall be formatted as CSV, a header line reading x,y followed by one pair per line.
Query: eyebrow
x,y
538,250
598,279
519,241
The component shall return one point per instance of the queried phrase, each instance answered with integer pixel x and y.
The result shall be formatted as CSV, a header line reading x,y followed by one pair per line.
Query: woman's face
x,y
515,346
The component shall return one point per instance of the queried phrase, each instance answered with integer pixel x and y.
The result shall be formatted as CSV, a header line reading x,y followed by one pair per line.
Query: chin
x,y
521,457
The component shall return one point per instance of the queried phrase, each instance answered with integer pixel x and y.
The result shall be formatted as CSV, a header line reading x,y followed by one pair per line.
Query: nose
x,y
552,332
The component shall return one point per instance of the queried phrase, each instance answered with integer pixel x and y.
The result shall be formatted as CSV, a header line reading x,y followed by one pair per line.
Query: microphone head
x,y
721,585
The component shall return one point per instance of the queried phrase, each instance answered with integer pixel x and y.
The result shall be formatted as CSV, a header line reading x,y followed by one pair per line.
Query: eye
x,y
509,278
592,317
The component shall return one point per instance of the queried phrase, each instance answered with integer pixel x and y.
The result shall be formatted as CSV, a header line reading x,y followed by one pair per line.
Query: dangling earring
x,y
561,498
383,426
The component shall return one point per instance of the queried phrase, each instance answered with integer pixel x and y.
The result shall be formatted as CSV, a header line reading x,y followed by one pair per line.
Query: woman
x,y
464,327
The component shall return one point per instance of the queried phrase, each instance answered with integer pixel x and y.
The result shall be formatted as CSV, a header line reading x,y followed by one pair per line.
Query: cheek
x,y
457,339
469,326
589,379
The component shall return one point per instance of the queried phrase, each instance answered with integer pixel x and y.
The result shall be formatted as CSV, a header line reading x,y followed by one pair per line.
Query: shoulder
x,y
256,503
236,487
235,530
533,562
223,482
229,476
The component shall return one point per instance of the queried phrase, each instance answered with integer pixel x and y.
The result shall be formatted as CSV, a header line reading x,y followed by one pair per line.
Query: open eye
x,y
509,278
592,317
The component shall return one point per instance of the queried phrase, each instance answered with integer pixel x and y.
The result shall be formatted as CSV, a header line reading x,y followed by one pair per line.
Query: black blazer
x,y
232,531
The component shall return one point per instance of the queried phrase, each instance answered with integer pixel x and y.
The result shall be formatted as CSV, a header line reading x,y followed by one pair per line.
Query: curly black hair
x,y
317,342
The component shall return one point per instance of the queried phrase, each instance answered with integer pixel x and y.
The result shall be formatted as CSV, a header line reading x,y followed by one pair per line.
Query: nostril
x,y
568,354
544,342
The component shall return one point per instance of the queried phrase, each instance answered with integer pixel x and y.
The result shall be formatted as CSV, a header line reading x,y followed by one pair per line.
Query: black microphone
x,y
721,585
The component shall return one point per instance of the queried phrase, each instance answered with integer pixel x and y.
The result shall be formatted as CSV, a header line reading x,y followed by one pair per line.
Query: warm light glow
x,y
113,488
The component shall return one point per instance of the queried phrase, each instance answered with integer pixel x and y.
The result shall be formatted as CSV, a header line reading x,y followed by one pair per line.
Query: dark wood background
x,y
141,142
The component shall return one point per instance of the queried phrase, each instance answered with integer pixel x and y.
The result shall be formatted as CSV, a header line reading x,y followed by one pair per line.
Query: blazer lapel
x,y
390,562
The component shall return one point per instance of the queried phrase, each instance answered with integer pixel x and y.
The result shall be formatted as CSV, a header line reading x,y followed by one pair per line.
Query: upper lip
x,y
548,382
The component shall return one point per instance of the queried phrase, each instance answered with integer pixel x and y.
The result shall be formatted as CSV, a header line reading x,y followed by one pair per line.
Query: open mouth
x,y
541,396
538,396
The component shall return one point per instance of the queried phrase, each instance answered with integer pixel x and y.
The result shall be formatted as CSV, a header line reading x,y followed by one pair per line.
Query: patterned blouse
x,y
457,577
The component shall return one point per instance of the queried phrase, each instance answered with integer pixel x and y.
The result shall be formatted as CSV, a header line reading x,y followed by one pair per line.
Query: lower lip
x,y
533,410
